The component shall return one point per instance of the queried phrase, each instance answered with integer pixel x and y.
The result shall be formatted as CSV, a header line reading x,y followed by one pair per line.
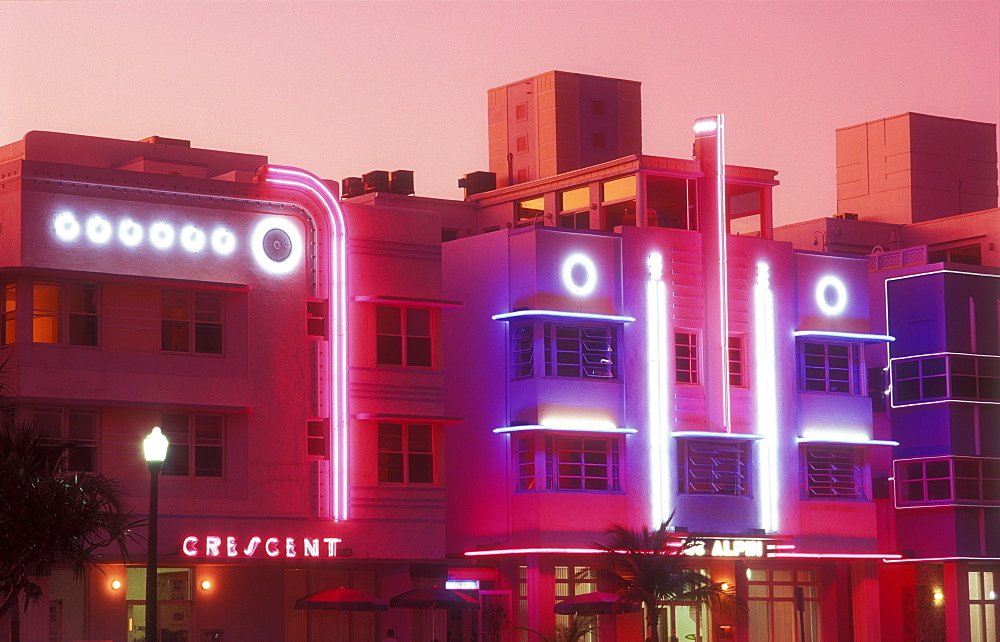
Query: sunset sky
x,y
344,87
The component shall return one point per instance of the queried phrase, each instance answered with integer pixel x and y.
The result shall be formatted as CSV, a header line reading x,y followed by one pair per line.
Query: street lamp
x,y
154,448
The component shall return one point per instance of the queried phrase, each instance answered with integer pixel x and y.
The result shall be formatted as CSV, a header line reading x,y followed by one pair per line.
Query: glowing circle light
x,y
589,282
223,241
98,229
161,235
129,232
192,239
263,234
66,226
839,303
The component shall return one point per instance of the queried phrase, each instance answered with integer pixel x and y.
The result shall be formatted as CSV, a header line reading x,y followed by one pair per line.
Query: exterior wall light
x,y
206,584
938,596
116,584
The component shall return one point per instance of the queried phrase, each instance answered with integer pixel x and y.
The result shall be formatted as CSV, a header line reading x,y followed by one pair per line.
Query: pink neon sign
x,y
257,546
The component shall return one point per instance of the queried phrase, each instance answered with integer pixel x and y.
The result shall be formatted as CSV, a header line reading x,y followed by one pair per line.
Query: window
x,y
833,473
571,581
196,444
771,600
686,357
521,111
525,463
830,367
522,143
948,480
9,328
585,352
618,204
523,338
73,434
583,464
530,209
982,605
63,313
575,464
597,108
191,322
946,376
736,375
967,254
574,208
316,431
713,466
403,336
599,140
405,453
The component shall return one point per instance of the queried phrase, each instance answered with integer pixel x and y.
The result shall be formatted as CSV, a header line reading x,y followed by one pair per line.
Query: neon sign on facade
x,y
256,546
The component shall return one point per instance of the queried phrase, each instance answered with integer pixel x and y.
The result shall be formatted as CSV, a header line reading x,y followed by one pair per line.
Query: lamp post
x,y
154,448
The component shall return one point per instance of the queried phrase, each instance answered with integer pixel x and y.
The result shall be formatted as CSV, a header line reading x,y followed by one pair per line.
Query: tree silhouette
x,y
645,568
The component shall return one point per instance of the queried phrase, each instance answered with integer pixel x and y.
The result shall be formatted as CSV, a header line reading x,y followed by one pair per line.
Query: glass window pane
x,y
618,188
574,199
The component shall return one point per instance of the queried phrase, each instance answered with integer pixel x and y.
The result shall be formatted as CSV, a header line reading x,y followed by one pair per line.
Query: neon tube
x,y
847,442
613,430
331,275
720,186
658,393
839,556
699,434
916,560
767,397
561,313
858,336
531,551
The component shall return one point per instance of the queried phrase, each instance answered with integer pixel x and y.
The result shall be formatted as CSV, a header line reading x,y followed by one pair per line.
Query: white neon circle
x,y
223,241
287,226
840,295
66,226
590,274
129,232
98,229
161,235
192,239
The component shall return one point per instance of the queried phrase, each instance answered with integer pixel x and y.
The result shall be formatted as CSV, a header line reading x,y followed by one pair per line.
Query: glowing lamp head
x,y
154,446
705,125
724,586
116,584
206,584
938,596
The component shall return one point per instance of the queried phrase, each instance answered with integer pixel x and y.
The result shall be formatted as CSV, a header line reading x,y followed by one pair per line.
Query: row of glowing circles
x,y
162,235
117,585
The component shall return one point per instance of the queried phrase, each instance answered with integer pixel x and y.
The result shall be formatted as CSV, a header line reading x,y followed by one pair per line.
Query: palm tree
x,y
646,569
49,517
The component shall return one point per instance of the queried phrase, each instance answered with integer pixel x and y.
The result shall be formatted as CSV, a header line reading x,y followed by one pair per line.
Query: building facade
x,y
606,337
930,238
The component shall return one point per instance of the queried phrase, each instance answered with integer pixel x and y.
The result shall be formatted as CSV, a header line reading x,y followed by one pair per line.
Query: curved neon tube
x,y
562,313
331,275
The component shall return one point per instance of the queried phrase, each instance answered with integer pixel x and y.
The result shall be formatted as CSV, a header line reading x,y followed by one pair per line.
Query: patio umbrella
x,y
596,603
434,598
341,599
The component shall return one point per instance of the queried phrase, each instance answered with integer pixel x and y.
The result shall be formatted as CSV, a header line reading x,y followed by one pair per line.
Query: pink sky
x,y
341,88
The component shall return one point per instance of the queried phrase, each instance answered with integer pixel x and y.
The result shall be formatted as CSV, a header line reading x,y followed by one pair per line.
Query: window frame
x,y
193,445
691,358
8,328
586,368
808,367
191,325
737,365
407,453
408,341
66,318
841,473
547,463
71,446
932,378
714,474
948,481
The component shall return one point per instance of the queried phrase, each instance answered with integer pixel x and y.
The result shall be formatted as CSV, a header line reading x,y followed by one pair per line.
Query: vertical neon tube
x,y
331,270
720,186
658,351
767,398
